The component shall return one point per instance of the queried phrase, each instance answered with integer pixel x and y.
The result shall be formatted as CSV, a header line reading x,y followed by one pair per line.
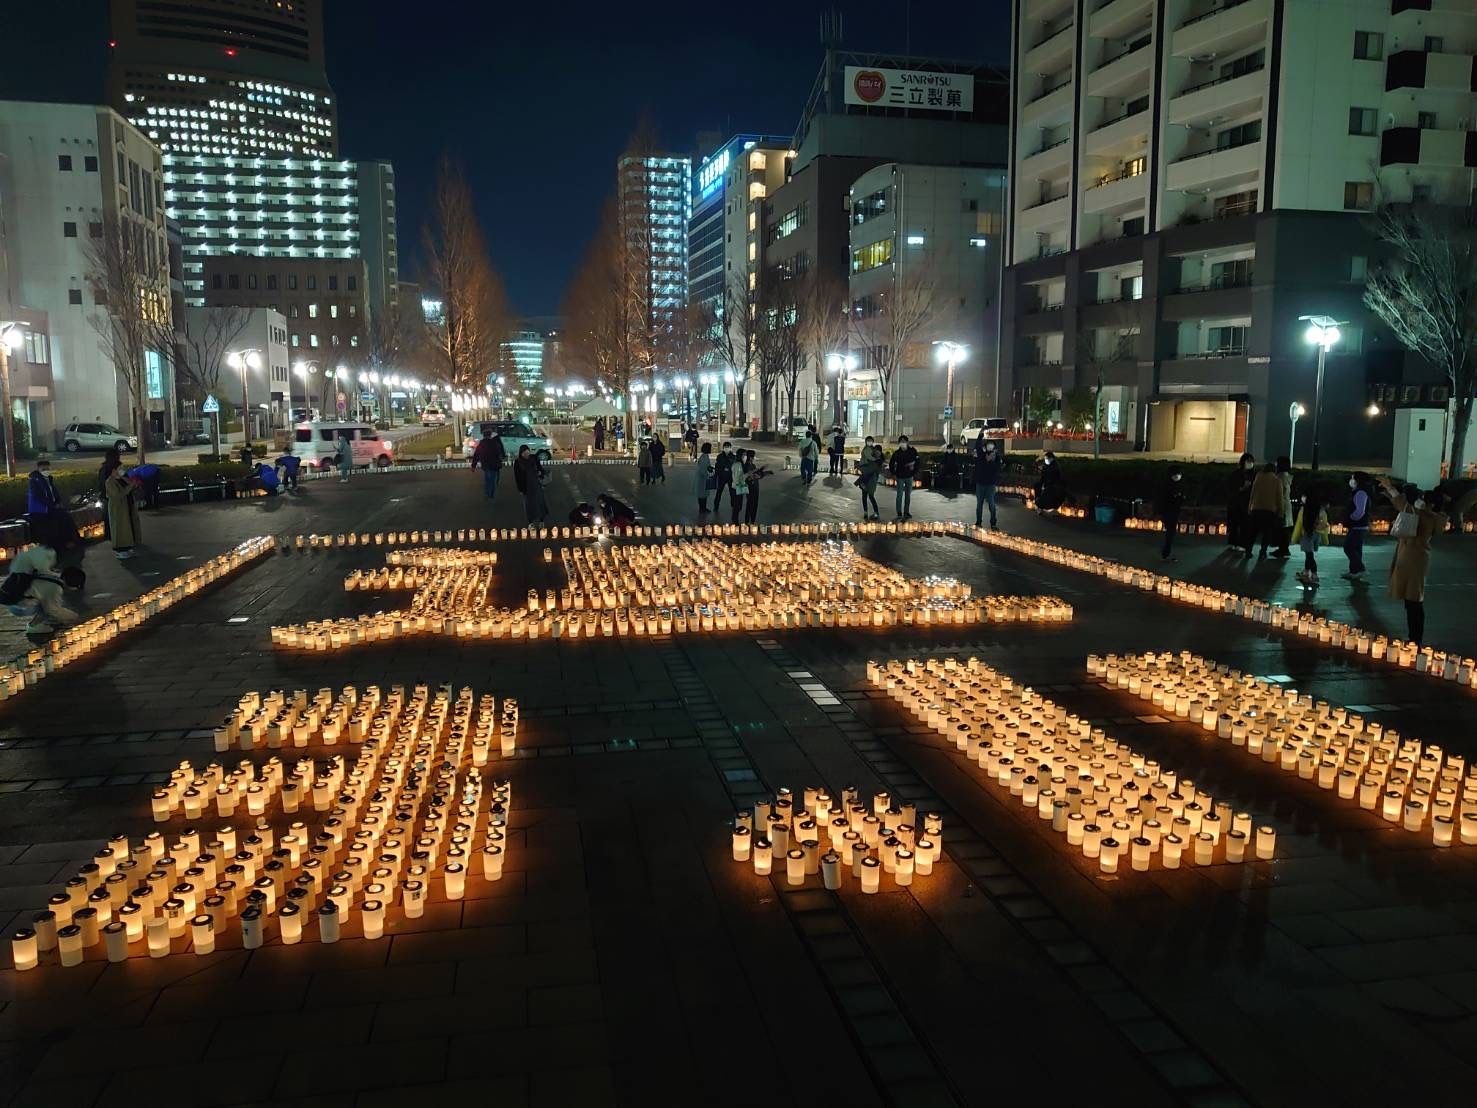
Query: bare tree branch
x,y
886,335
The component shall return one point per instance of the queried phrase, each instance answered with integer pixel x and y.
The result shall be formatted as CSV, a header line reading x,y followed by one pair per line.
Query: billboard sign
x,y
909,88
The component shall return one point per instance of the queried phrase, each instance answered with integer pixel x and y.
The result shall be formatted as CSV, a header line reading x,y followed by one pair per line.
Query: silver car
x,y
514,434
96,436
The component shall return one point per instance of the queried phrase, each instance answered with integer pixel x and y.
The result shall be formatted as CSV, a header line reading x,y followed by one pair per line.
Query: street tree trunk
x,y
1459,436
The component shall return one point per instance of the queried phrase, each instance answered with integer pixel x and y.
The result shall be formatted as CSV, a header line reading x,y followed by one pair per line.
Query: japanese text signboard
x,y
910,88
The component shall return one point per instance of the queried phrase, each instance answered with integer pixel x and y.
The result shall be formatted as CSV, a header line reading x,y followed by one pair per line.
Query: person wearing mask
x,y
703,477
903,465
1051,486
599,435
1420,520
47,518
753,475
643,460
121,495
1356,524
869,472
489,458
810,453
528,475
987,466
1171,500
345,456
1284,477
838,450
289,463
1310,532
658,452
1265,504
740,487
722,474
1239,532
33,587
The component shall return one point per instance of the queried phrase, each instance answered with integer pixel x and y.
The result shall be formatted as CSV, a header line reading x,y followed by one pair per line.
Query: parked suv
x,y
96,436
991,428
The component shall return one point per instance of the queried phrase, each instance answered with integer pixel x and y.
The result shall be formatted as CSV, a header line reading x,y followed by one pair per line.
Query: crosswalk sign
x,y
211,406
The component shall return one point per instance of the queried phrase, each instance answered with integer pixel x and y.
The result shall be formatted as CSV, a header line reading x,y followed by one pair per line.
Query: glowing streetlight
x,y
11,338
1323,332
1295,412
243,360
950,354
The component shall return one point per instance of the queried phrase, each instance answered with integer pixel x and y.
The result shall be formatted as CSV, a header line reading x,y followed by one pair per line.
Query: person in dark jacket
x,y
754,474
903,465
1051,486
1239,531
723,474
1171,500
658,452
41,495
289,463
1356,524
48,519
489,457
528,475
838,450
599,434
988,463
148,476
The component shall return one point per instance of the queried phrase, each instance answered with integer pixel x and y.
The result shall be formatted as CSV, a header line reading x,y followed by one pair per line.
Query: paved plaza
x,y
626,957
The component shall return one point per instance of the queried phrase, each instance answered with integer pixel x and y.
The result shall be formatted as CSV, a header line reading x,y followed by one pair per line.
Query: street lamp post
x,y
10,339
1295,412
840,365
951,354
1322,332
245,361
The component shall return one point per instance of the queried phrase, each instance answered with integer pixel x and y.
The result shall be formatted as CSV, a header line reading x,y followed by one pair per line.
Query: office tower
x,y
654,205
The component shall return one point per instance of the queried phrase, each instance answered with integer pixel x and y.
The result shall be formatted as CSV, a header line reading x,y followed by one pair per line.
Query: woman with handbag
x,y
740,487
529,476
703,481
1420,519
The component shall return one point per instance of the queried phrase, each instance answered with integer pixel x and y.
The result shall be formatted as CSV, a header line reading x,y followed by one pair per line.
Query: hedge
x,y
74,482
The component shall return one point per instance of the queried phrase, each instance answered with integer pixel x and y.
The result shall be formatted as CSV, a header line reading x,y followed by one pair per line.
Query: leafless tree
x,y
1096,352
1426,293
781,349
133,298
887,335
476,318
823,330
595,335
733,337
197,344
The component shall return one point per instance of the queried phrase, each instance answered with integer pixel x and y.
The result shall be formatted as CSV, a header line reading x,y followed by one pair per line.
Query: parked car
x,y
795,428
96,436
433,415
991,427
514,434
316,442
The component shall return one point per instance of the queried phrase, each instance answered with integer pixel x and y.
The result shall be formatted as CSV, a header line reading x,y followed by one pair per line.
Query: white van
x,y
433,415
317,444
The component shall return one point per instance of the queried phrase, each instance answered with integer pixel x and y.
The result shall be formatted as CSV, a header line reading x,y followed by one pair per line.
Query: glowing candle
x,y
372,913
24,949
290,923
413,899
902,871
456,880
69,941
741,844
871,874
795,866
1266,842
157,932
202,932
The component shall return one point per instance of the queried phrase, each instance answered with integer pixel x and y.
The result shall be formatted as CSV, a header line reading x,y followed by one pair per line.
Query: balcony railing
x,y
1050,250
1051,306
1048,91
1118,175
1227,6
1063,29
1220,80
1221,352
1120,118
1036,362
1238,281
1216,150
1045,200
1049,146
1133,48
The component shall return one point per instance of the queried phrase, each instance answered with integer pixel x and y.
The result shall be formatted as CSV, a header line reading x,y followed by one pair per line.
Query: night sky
x,y
537,99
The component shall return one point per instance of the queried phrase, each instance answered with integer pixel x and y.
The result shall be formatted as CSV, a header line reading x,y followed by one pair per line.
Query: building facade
x,y
322,302
269,388
68,171
379,237
523,355
654,197
1189,178
925,270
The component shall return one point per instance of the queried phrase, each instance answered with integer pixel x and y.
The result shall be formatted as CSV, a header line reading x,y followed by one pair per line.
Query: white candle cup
x,y
413,899
456,880
44,924
795,866
741,844
831,869
372,915
202,933
902,870
290,923
763,856
871,874
69,944
328,922
1266,842
24,949
115,941
251,928
492,862
157,933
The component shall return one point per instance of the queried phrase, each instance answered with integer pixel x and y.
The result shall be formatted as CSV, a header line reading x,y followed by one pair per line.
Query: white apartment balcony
x,y
1056,102
1118,136
1047,160
1114,192
1231,26
1123,73
1045,11
1050,53
1229,97
1428,147
1233,165
1043,215
1117,17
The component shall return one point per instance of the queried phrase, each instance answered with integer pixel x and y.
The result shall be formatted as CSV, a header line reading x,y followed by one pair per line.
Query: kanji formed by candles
x,y
1420,787
1105,799
406,798
676,587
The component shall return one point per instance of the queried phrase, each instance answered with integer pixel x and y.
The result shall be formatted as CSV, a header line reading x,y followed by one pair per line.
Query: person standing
x,y
1310,532
658,452
1284,477
345,456
1265,505
528,475
903,465
1239,532
643,460
1171,500
753,476
690,438
987,466
869,472
599,434
809,456
123,521
1356,524
489,458
1413,550
723,474
740,487
48,520
703,477
838,450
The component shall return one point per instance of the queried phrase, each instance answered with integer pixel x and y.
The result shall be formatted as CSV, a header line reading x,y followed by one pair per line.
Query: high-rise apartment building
x,y
67,172
1190,177
379,238
719,233
523,353
654,198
